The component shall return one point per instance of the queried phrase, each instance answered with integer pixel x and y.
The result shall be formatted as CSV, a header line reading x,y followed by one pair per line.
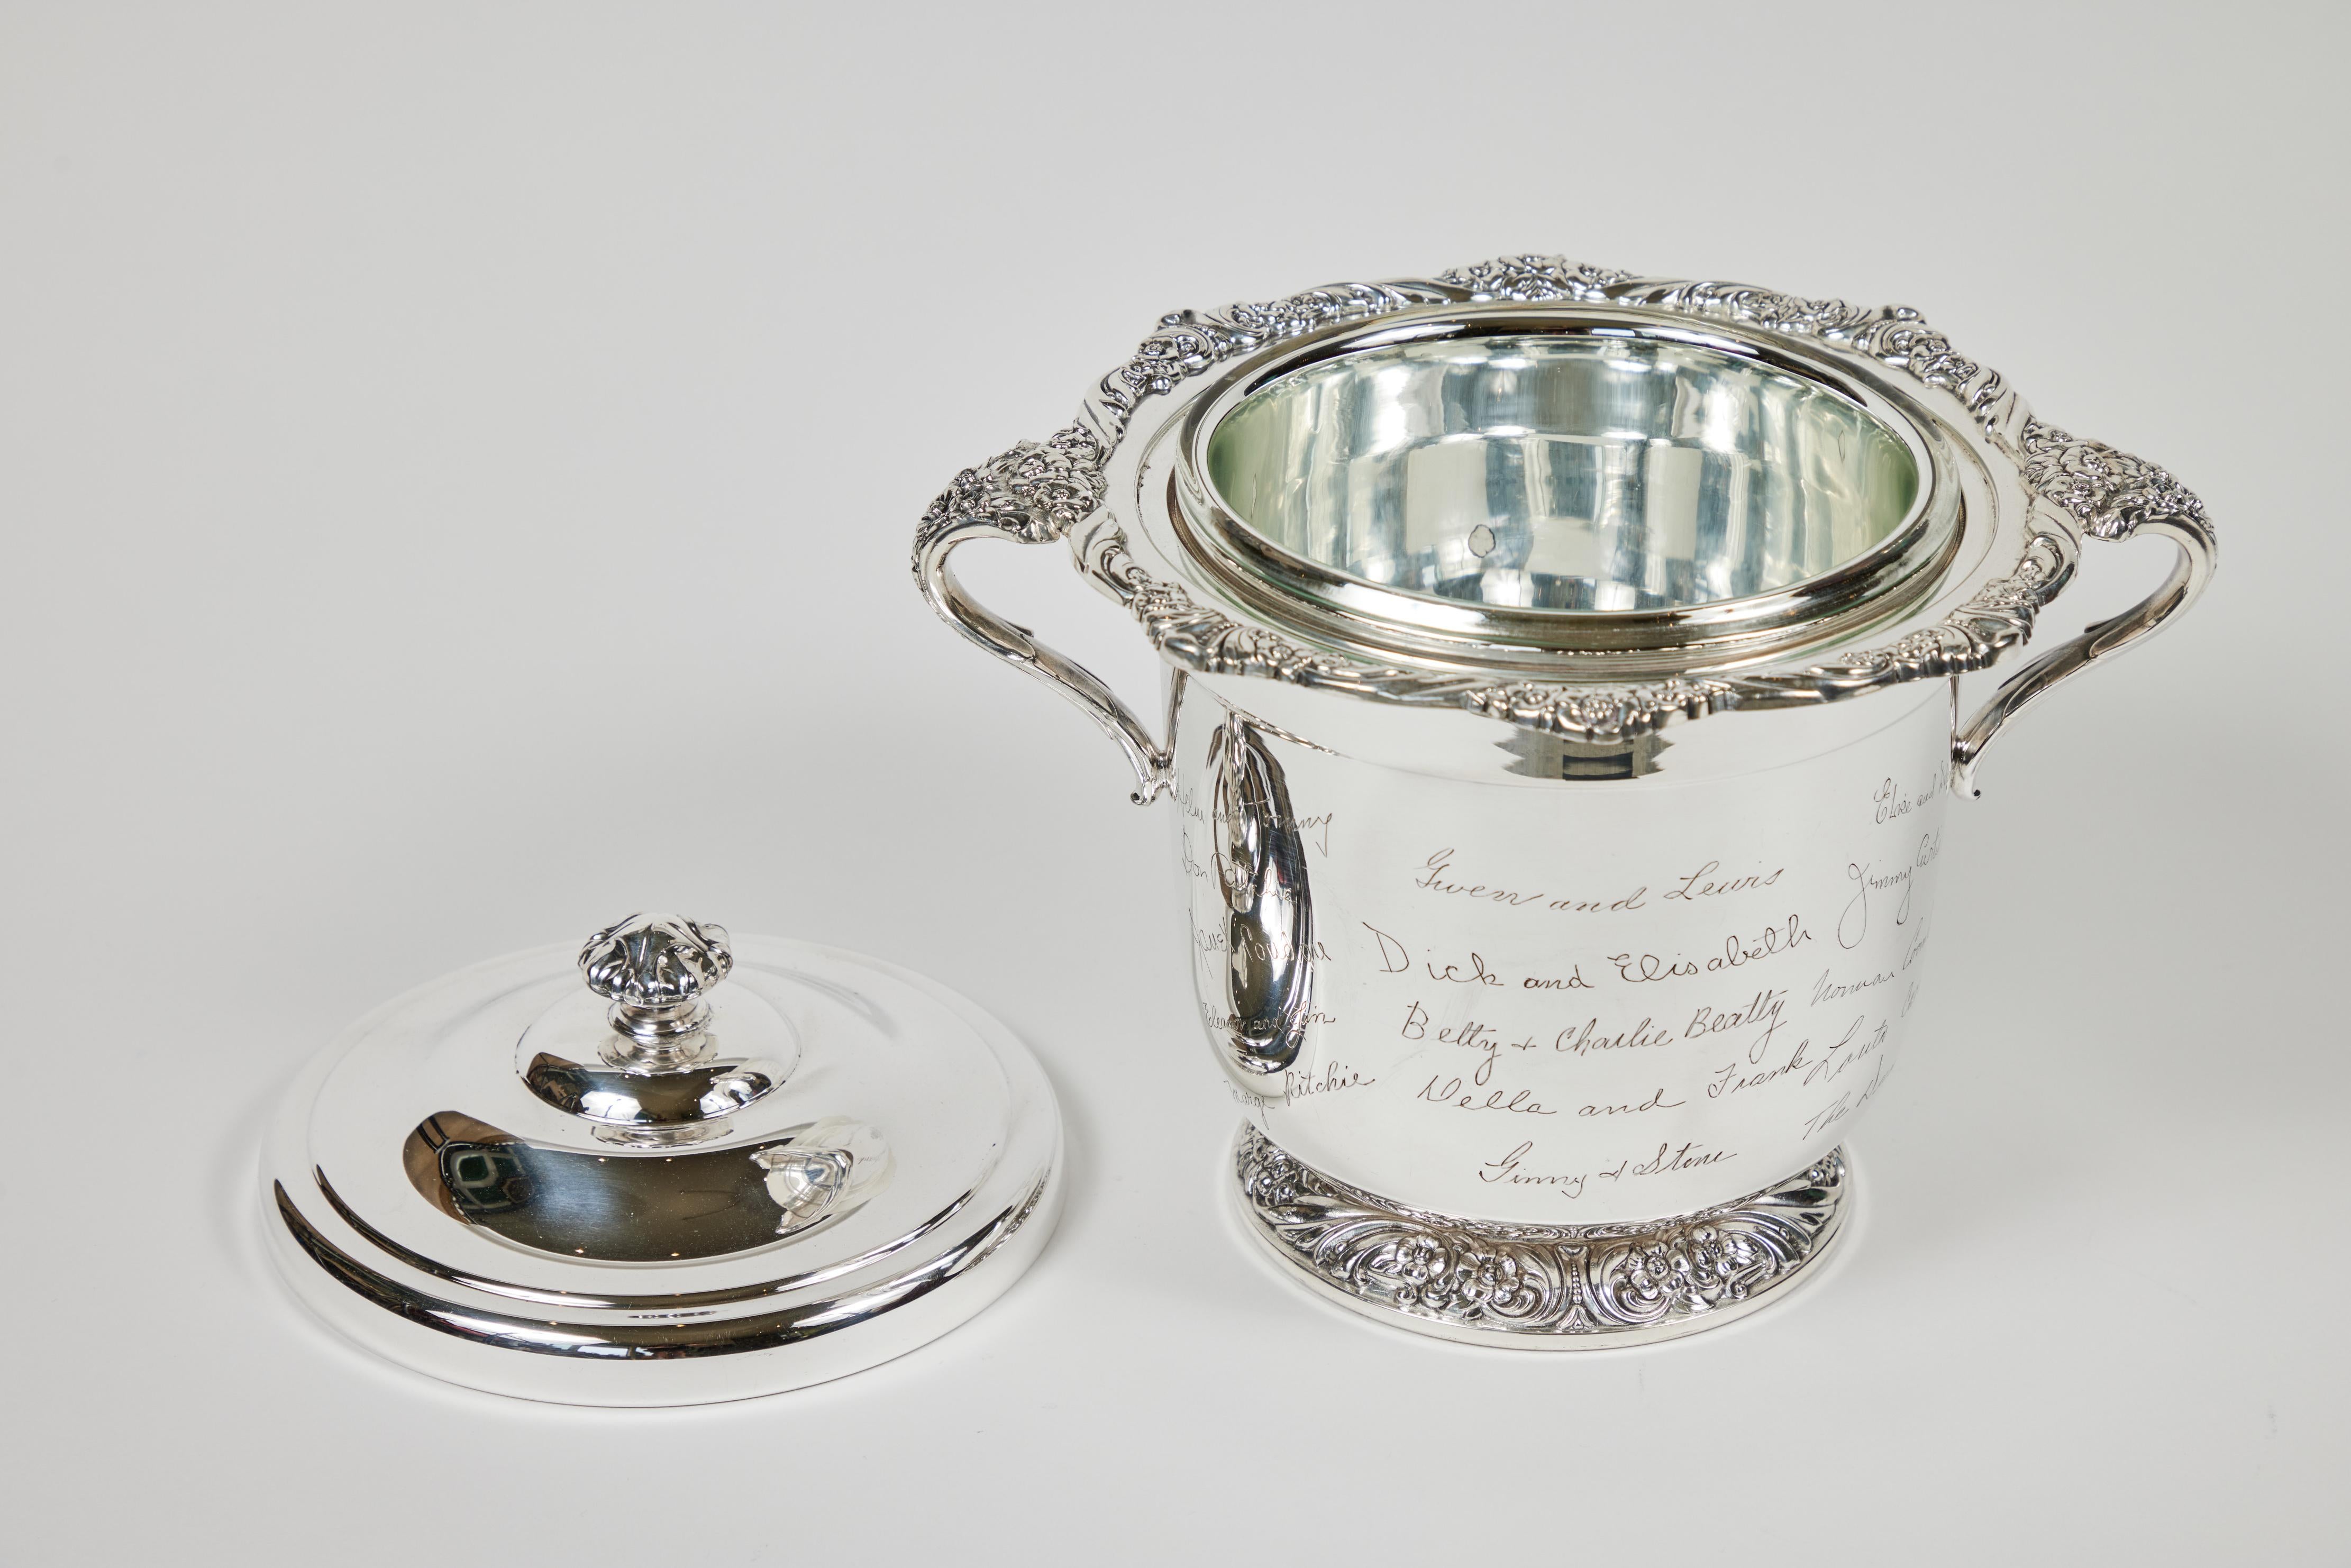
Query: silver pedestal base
x,y
1533,1287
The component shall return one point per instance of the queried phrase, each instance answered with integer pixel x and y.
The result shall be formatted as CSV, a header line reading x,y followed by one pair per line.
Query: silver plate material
x,y
1540,1287
2006,501
1534,482
437,1205
1525,977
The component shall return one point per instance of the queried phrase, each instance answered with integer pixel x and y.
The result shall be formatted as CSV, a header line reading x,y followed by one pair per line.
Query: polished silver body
x,y
718,1168
1560,728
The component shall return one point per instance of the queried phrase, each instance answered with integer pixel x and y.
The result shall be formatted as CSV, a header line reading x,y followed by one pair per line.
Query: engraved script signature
x,y
1853,925
1737,952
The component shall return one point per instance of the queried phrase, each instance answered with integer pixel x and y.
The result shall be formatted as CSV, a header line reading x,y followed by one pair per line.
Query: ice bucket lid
x,y
669,1167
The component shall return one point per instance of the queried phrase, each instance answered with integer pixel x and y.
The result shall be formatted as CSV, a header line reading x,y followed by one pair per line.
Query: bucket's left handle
x,y
2114,497
1034,494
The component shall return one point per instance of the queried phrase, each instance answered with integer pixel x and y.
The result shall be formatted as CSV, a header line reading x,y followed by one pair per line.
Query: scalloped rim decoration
x,y
1036,492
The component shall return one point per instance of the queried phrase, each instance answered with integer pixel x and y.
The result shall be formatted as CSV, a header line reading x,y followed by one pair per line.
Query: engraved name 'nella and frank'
x,y
1457,999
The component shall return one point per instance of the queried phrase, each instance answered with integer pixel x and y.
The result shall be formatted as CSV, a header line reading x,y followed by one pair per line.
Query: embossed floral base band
x,y
1537,1287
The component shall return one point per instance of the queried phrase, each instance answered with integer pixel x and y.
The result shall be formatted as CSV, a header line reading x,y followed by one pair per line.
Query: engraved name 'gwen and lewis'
x,y
1802,1019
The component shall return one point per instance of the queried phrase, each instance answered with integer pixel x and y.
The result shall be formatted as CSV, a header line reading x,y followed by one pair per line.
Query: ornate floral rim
x,y
1038,491
1549,1286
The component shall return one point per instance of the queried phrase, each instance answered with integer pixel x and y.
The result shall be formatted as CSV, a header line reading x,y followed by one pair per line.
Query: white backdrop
x,y
457,464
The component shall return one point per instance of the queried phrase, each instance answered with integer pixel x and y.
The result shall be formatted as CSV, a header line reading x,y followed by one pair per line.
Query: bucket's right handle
x,y
1033,494
2113,497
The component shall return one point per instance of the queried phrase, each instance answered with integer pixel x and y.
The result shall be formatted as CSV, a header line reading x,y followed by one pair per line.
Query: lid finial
x,y
656,969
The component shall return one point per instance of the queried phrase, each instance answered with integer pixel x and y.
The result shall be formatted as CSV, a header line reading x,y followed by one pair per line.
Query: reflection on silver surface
x,y
1541,1287
665,1338
742,1250
655,1074
687,1101
1467,545
1268,922
655,970
1569,474
645,1208
620,1301
627,1099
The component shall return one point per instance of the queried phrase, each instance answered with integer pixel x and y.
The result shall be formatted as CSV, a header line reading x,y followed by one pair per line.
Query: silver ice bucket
x,y
1561,713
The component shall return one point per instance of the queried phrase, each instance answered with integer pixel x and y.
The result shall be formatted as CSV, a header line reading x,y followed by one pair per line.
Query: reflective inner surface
x,y
644,1208
1559,473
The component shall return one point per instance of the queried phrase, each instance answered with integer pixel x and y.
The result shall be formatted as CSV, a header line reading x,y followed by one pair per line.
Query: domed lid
x,y
665,1167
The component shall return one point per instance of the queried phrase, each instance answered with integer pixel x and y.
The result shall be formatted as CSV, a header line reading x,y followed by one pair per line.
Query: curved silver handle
x,y
1032,495
2114,497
